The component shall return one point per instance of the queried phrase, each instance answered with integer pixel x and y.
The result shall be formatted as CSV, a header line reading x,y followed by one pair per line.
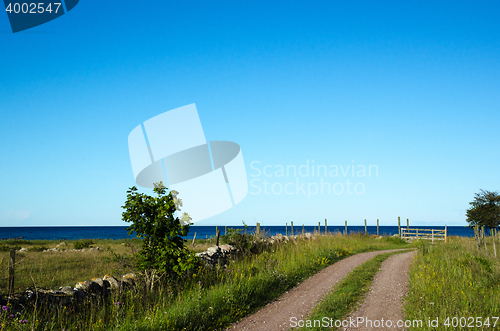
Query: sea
x,y
201,232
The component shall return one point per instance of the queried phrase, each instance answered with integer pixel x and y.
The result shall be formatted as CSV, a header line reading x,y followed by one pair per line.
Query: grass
x,y
51,270
343,299
455,284
209,299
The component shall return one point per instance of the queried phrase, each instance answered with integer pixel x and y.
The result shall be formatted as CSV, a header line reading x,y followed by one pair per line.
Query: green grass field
x,y
210,299
455,284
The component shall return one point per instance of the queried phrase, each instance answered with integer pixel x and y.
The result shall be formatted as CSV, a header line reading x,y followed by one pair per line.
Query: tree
x,y
484,210
163,250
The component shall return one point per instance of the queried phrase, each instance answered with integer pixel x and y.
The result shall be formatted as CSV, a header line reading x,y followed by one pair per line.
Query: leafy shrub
x,y
38,248
153,219
238,238
83,243
6,248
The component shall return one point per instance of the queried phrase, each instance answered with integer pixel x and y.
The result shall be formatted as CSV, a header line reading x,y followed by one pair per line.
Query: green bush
x,y
6,248
83,243
38,248
153,219
239,239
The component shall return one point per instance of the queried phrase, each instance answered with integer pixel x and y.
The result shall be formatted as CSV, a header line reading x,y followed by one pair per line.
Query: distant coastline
x,y
202,232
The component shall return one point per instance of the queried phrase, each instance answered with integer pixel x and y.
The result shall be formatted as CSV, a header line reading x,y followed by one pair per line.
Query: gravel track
x,y
384,301
300,300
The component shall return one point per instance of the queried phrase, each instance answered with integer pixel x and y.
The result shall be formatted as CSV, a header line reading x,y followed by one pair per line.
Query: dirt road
x,y
383,307
299,301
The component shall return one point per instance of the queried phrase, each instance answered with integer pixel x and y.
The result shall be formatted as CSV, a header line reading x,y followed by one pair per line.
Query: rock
x,y
98,281
23,250
226,248
68,290
88,286
82,286
112,282
62,243
95,287
129,279
212,249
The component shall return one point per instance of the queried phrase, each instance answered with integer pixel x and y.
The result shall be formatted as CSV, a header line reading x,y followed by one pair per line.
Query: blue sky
x,y
409,87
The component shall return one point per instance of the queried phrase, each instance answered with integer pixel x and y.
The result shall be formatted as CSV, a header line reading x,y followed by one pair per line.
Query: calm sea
x,y
202,232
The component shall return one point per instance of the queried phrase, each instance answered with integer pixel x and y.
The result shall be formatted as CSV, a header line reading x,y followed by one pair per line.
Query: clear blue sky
x,y
409,86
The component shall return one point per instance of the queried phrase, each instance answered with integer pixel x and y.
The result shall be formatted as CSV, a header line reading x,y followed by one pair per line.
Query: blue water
x,y
202,232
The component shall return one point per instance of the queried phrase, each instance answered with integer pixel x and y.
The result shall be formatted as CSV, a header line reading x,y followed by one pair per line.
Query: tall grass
x,y
51,270
214,301
209,299
456,284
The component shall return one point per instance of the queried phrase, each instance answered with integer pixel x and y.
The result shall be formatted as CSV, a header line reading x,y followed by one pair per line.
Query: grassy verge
x,y
455,284
54,269
344,297
247,285
210,299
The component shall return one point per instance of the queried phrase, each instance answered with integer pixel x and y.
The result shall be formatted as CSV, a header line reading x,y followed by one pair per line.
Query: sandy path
x,y
383,304
299,301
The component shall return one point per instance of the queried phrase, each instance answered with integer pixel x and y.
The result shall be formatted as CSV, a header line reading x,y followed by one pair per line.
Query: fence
x,y
426,234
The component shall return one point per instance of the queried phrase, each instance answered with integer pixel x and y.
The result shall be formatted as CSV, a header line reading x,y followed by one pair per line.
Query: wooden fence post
x,y
194,238
476,236
408,226
12,262
216,230
366,231
286,229
291,223
319,228
258,229
217,240
377,228
433,236
303,231
484,240
326,228
494,246
225,230
345,231
399,226
445,234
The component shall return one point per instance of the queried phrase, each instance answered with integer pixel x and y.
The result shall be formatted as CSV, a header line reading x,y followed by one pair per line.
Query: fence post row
x,y
402,232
